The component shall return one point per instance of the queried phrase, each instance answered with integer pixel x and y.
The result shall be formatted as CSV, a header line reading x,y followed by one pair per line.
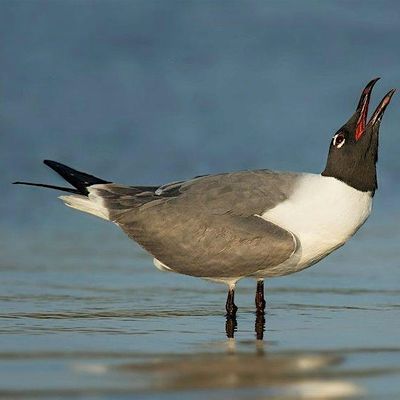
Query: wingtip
x,y
20,183
48,162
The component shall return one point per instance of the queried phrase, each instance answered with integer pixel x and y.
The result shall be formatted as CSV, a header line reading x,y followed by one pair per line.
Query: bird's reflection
x,y
282,374
230,326
259,326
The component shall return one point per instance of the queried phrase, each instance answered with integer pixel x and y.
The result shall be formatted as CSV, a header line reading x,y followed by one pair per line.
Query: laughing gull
x,y
258,223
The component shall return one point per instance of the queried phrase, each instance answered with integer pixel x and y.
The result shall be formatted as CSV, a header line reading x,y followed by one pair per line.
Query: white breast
x,y
323,213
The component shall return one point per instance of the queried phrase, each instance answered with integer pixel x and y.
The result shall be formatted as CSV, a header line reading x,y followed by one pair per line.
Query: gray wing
x,y
207,226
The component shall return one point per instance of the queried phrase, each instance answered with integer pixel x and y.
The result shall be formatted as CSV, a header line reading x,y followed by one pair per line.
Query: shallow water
x,y
102,322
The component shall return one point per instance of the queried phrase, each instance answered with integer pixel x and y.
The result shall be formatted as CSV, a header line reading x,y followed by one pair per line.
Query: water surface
x,y
102,321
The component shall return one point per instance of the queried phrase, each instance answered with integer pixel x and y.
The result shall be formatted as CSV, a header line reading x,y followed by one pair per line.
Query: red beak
x,y
377,115
362,108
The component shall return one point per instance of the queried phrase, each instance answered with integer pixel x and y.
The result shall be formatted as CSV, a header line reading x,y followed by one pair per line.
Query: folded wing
x,y
207,226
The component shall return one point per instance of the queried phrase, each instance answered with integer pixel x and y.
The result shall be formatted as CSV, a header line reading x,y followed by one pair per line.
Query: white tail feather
x,y
91,205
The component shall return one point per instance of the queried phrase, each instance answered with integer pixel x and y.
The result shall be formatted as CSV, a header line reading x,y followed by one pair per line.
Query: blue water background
x,y
148,92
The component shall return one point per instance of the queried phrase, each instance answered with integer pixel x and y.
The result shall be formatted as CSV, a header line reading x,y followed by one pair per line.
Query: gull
x,y
259,223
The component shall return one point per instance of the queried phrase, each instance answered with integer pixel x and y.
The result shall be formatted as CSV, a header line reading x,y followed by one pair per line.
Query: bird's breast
x,y
323,213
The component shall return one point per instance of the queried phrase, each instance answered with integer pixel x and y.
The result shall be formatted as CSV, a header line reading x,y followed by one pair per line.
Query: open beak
x,y
362,109
378,114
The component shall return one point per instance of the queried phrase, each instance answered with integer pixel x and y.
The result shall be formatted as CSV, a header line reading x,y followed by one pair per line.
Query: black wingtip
x,y
80,180
50,163
54,165
43,185
20,183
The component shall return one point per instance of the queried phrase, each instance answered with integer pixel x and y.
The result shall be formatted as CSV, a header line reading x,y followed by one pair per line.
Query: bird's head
x,y
353,151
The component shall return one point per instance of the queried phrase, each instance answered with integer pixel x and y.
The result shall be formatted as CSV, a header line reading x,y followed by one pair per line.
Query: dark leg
x,y
260,301
230,302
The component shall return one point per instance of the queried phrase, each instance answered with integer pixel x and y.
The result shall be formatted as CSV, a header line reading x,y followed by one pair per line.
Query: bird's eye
x,y
338,140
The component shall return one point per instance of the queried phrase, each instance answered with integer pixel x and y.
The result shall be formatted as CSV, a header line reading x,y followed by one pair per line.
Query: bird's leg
x,y
230,302
259,300
260,310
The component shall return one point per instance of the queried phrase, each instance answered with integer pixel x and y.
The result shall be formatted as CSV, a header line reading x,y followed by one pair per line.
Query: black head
x,y
353,152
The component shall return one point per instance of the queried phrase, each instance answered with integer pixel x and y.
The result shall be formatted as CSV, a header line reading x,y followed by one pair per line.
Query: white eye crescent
x,y
339,140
